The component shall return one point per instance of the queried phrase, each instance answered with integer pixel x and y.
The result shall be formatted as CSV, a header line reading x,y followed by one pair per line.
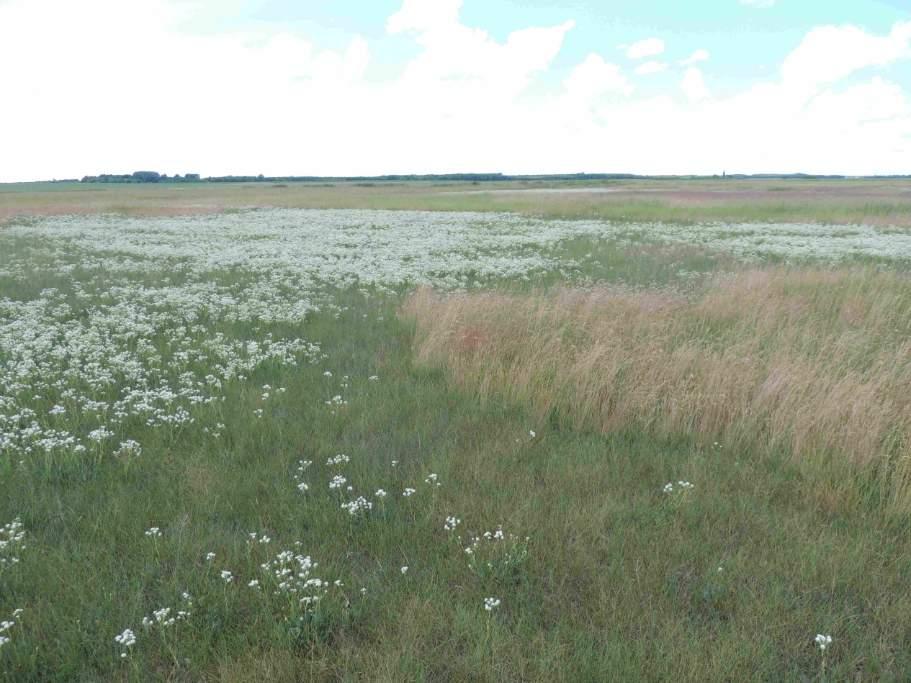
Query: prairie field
x,y
594,432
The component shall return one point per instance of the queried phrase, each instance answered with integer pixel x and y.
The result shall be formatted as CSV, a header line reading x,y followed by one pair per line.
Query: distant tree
x,y
146,176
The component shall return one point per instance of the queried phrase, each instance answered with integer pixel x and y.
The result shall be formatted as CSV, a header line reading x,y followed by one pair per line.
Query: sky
x,y
347,87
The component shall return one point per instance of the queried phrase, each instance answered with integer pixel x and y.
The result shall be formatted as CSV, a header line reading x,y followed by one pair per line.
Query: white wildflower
x,y
490,604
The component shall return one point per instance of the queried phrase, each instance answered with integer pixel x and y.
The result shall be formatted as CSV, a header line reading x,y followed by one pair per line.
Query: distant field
x,y
863,201
647,432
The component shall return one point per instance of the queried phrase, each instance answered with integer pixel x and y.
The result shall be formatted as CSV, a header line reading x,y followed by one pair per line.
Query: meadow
x,y
412,433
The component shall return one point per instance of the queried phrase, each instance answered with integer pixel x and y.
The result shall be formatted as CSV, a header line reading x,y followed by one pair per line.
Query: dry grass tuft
x,y
815,363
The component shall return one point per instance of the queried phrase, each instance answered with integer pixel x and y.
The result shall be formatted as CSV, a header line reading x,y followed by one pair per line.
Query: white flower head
x,y
490,604
823,641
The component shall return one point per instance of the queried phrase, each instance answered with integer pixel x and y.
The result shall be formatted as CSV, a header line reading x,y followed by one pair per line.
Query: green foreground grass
x,y
618,580
730,580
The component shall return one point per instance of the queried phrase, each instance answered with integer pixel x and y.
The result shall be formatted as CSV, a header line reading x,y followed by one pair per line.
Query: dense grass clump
x,y
811,363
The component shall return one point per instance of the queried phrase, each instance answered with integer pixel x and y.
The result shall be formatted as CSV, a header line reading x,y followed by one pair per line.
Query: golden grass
x,y
813,363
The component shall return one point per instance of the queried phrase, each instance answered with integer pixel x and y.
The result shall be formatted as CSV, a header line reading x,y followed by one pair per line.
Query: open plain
x,y
631,430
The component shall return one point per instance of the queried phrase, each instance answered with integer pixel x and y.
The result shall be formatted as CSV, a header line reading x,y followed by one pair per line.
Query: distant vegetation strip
x,y
155,177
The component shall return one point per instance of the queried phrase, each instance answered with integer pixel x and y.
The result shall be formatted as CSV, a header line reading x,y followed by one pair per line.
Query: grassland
x,y
871,202
175,393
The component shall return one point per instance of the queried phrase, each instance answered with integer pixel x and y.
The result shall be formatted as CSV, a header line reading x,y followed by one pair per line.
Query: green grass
x,y
621,581
728,581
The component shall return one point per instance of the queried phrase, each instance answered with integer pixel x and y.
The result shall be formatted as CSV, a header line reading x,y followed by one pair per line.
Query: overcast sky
x,y
314,87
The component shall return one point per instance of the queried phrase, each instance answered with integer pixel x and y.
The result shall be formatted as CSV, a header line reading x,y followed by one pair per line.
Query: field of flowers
x,y
219,461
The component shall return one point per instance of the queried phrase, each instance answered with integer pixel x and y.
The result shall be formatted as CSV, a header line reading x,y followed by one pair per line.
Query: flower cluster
x,y
822,641
358,505
5,627
12,542
291,574
166,617
128,448
126,640
490,604
681,485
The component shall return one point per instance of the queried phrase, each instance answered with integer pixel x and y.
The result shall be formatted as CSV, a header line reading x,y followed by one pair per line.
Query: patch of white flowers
x,y
679,486
77,365
357,506
823,641
126,640
128,448
490,604
6,626
261,539
165,617
291,574
12,543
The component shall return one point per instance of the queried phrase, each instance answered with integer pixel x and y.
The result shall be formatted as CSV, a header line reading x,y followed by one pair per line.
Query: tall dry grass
x,y
814,363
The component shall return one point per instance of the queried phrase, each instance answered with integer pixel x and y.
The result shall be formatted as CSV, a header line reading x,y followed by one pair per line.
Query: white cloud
x,y
829,53
650,67
650,47
108,86
594,77
693,85
700,55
